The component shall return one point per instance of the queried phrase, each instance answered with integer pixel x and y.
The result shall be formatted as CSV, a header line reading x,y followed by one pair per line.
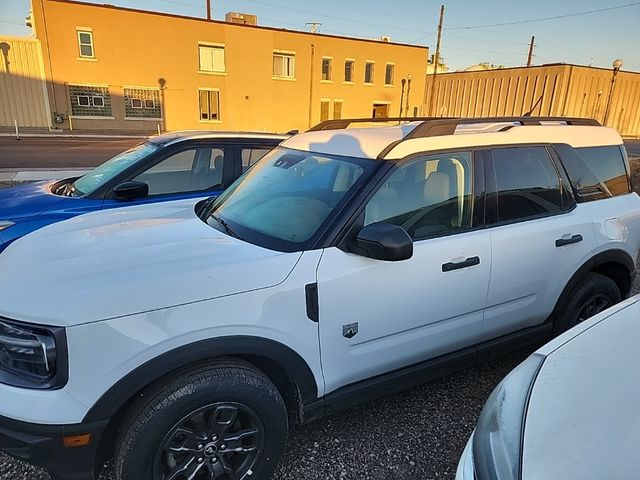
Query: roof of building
x,y
181,135
399,141
222,22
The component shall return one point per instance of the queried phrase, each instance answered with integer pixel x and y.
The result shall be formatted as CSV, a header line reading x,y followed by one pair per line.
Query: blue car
x,y
172,166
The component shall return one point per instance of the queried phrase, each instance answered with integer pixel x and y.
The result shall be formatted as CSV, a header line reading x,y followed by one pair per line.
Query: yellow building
x,y
116,68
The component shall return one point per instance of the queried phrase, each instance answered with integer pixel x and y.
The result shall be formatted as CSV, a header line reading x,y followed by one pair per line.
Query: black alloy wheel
x,y
217,442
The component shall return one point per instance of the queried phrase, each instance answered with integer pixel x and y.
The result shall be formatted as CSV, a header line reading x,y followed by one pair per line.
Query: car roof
x,y
398,141
581,418
170,138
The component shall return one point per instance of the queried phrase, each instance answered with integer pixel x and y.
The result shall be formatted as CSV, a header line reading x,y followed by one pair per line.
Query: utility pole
x,y
531,45
209,10
436,61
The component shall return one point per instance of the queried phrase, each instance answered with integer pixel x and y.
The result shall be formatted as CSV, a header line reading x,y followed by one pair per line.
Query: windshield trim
x,y
370,167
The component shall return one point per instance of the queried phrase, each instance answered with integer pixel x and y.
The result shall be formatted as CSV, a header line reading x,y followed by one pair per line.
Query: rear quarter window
x,y
595,172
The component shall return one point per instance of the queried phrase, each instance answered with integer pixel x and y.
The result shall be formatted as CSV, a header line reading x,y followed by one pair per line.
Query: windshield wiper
x,y
226,227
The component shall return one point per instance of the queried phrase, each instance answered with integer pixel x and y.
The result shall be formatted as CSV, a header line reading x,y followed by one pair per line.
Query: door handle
x,y
469,262
561,242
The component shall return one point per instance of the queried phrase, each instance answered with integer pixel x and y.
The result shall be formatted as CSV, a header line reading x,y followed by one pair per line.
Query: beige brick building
x,y
122,69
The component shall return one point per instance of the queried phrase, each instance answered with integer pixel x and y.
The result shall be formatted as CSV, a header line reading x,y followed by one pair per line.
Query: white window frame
x,y
218,46
353,71
217,120
88,97
393,74
329,78
285,54
153,103
373,72
88,31
141,103
93,101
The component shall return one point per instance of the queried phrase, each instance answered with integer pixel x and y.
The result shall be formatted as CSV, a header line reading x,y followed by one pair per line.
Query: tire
x,y
594,290
198,421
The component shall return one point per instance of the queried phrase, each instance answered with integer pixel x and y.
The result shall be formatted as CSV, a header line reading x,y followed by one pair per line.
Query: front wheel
x,y
593,294
225,422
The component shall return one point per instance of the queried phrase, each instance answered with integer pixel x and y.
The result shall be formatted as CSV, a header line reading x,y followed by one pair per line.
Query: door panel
x,y
529,271
406,312
540,249
378,316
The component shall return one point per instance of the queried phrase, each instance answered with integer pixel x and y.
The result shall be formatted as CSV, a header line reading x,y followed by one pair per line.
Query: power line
x,y
291,9
378,13
544,19
12,22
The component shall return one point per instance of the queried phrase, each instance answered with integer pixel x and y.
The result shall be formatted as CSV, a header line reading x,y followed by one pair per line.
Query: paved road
x,y
60,152
633,147
86,152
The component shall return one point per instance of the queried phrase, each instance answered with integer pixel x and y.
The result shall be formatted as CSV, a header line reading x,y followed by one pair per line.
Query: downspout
x,y
313,54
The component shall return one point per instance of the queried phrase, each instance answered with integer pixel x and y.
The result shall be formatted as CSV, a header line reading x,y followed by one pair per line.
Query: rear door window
x,y
527,183
595,172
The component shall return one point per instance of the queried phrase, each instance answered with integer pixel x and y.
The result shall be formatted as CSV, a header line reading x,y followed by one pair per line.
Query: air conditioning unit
x,y
241,18
385,39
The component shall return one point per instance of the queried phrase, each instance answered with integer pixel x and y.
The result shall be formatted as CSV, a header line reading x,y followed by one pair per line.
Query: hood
x,y
27,200
588,390
130,260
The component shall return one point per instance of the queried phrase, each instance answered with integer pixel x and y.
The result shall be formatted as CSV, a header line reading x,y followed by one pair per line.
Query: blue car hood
x,y
27,200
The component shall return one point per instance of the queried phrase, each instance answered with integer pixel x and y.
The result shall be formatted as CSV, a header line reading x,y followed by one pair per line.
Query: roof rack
x,y
439,127
346,122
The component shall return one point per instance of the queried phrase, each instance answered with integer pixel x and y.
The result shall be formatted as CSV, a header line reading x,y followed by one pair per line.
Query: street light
x,y
617,65
409,77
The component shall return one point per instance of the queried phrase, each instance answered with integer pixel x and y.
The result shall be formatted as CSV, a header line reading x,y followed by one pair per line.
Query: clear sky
x,y
596,38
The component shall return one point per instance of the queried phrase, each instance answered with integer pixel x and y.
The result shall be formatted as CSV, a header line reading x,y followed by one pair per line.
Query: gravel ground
x,y
416,434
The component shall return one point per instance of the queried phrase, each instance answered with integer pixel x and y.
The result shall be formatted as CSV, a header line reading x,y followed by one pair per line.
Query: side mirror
x,y
131,190
384,241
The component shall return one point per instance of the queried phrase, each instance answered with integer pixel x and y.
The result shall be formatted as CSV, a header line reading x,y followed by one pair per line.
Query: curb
x,y
69,135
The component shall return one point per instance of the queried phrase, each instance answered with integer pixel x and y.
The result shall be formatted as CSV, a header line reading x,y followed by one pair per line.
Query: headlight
x,y
5,224
497,440
32,357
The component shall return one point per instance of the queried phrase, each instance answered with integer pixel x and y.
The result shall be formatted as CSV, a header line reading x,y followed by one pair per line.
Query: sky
x,y
596,38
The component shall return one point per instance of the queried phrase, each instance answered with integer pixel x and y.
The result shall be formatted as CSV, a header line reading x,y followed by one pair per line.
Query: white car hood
x,y
582,421
126,261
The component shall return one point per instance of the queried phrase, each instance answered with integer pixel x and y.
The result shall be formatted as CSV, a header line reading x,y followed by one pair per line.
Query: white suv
x,y
186,339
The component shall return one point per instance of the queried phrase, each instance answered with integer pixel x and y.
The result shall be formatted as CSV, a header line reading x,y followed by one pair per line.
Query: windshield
x,y
97,177
283,200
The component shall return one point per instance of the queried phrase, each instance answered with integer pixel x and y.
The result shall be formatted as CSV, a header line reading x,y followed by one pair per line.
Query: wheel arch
x,y
289,372
615,264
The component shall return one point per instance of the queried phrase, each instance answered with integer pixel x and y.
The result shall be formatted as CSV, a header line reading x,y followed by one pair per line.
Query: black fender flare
x,y
146,374
608,256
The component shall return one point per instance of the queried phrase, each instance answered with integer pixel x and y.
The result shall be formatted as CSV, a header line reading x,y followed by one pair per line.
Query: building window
x,y
85,44
326,68
211,58
348,70
368,72
142,103
337,109
389,74
284,65
209,105
89,101
84,100
324,110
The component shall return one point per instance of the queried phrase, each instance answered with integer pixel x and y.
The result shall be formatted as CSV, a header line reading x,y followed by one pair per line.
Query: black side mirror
x,y
131,190
384,241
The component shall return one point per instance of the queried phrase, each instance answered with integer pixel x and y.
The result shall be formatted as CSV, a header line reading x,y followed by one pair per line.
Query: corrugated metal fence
x,y
23,94
552,90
